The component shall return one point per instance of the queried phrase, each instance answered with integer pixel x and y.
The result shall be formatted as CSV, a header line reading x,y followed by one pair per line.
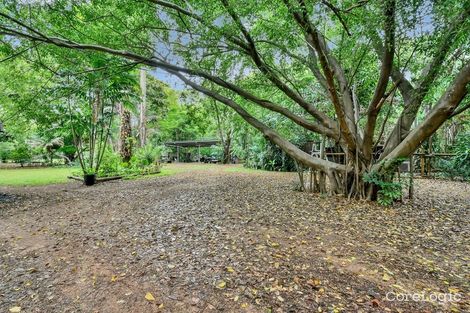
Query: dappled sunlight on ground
x,y
214,238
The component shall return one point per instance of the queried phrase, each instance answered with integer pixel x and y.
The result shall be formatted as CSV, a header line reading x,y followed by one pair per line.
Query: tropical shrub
x,y
110,164
6,149
21,154
267,156
458,165
147,156
389,190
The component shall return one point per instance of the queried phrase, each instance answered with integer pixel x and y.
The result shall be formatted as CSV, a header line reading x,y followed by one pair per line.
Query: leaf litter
x,y
212,241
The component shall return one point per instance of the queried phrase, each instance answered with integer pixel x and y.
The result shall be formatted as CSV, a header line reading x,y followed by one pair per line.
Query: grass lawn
x,y
35,176
57,175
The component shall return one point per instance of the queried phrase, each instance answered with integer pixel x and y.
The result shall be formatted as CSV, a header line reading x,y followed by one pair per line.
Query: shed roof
x,y
193,143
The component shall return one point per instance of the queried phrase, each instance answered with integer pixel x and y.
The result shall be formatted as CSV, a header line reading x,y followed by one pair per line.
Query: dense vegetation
x,y
376,80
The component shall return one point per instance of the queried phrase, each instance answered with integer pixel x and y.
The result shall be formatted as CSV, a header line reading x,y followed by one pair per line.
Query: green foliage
x,y
21,153
110,164
267,156
6,149
183,121
68,150
459,165
144,161
34,101
389,191
147,156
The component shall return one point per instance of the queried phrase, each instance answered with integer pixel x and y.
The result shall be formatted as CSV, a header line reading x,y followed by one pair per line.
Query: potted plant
x,y
89,177
90,128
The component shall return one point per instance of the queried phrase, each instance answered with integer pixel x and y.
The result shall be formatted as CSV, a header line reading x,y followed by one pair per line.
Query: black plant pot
x,y
89,179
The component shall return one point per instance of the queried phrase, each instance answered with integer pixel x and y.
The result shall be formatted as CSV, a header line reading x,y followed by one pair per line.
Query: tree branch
x,y
442,111
272,135
336,11
196,17
414,97
332,133
264,68
313,39
460,110
311,62
387,62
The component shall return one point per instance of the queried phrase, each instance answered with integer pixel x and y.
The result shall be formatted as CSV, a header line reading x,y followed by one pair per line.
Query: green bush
x,y
21,154
147,156
144,161
389,191
111,164
6,149
69,151
267,156
459,165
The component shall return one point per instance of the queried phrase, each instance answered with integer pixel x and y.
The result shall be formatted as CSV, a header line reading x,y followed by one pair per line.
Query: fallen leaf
x,y
221,284
314,282
453,290
114,278
230,269
386,277
149,297
375,303
398,287
15,309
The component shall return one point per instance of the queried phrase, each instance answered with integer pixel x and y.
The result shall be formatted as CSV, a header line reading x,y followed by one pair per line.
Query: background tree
x,y
143,107
336,63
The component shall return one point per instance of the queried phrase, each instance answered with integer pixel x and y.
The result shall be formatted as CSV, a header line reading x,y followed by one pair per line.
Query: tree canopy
x,y
368,75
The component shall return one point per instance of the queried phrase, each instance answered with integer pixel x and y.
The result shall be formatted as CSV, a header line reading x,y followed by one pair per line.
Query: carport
x,y
192,144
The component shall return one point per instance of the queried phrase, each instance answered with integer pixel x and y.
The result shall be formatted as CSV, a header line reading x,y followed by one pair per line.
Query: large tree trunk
x,y
224,131
227,148
143,108
339,122
125,134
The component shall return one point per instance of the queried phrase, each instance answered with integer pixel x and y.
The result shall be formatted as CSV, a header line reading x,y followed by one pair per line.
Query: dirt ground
x,y
218,241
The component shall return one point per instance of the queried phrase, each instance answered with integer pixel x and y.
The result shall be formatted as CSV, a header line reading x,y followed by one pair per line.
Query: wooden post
x,y
311,180
300,171
322,174
346,160
410,188
399,182
429,158
421,163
